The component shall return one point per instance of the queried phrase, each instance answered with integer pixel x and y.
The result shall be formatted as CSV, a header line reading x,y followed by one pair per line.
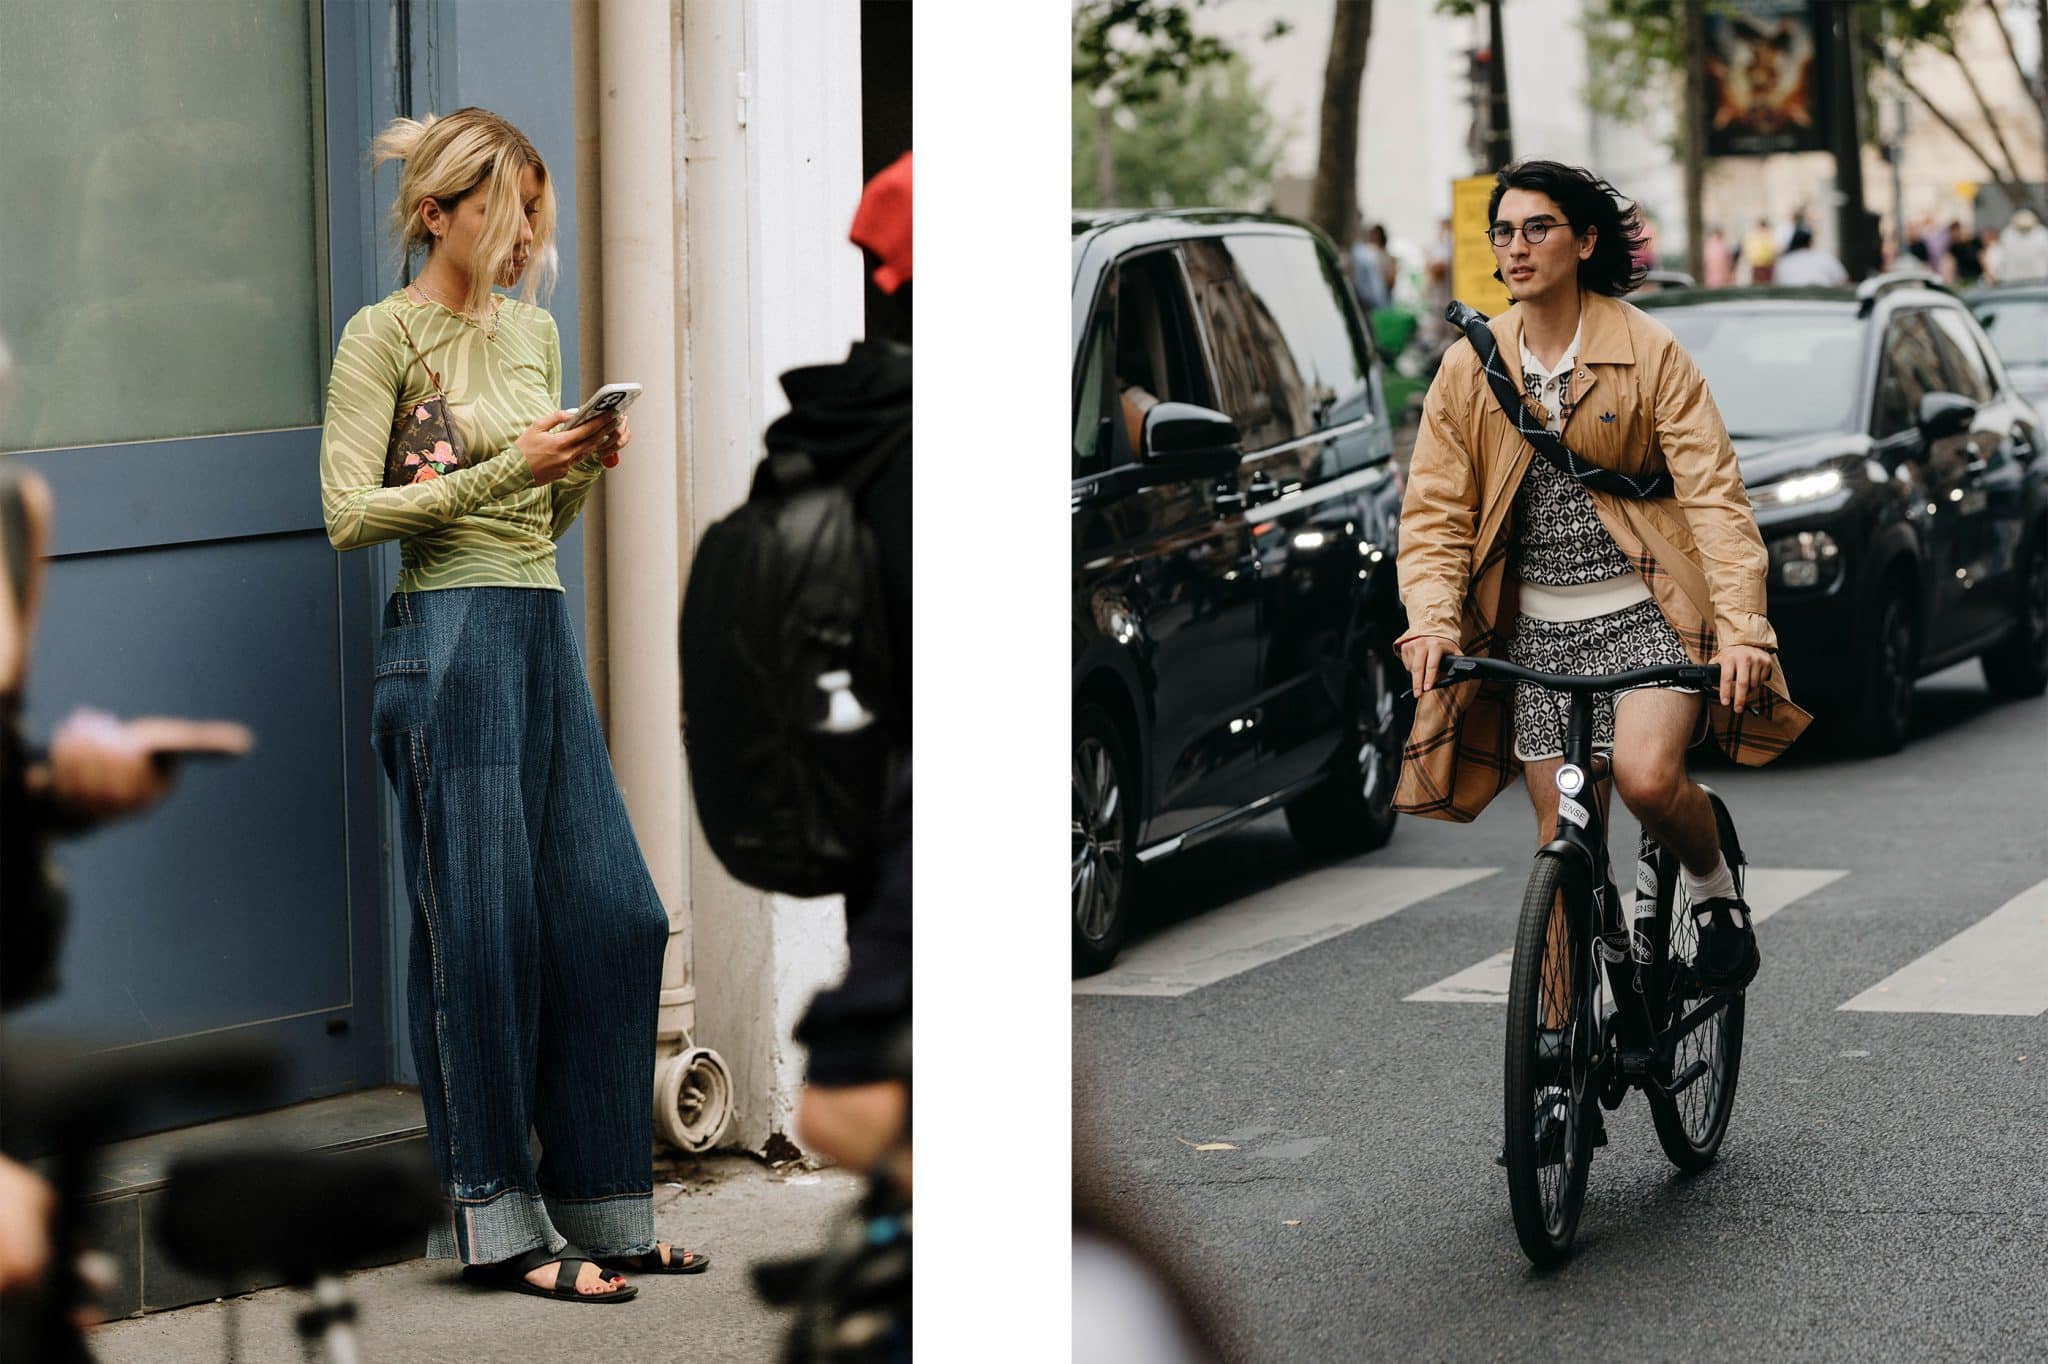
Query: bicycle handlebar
x,y
1468,668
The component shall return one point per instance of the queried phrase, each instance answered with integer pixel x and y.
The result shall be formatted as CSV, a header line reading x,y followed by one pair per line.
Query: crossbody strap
x,y
1594,476
434,378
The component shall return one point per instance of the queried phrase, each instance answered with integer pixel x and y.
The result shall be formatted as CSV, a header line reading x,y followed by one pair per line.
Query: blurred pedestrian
x,y
855,1107
537,932
1760,250
2023,249
1718,261
1806,264
1435,331
1993,255
1371,270
1965,256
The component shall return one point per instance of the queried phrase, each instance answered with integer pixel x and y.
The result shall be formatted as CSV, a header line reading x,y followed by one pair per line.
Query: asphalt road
x,y
1880,1194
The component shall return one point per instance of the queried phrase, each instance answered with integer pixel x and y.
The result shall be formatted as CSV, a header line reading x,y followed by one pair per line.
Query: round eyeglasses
x,y
1533,231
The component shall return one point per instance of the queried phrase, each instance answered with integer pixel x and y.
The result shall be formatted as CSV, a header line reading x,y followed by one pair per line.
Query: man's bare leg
x,y
1652,729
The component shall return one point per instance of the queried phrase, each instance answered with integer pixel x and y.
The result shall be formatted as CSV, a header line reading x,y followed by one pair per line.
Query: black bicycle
x,y
1603,1000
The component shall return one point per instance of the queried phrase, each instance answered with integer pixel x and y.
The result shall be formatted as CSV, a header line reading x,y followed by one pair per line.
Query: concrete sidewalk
x,y
733,1207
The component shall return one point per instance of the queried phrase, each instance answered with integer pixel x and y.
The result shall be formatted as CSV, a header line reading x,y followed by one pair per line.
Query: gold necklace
x,y
489,327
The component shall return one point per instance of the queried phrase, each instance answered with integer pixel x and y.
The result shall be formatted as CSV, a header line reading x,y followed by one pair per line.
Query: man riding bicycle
x,y
1503,550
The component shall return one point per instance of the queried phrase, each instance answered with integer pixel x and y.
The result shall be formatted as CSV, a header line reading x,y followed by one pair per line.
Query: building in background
x,y
1416,119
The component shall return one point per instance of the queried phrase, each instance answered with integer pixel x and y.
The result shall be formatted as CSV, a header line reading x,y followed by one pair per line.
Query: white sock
x,y
1718,882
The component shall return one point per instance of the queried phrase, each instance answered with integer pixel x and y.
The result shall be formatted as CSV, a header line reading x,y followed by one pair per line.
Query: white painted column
x,y
769,122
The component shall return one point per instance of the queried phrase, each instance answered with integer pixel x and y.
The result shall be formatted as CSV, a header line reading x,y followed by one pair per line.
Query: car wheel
x,y
2019,666
1352,811
1105,838
1885,709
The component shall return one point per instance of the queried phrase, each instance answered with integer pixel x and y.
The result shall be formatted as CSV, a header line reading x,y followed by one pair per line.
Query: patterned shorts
x,y
1634,637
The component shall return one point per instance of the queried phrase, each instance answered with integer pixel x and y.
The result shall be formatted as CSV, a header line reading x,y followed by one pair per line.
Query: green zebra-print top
x,y
483,525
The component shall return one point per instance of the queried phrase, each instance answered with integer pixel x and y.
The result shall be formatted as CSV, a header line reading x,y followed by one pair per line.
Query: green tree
x,y
1175,141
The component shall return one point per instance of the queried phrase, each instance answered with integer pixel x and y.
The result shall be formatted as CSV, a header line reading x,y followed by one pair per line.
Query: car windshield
x,y
2017,326
1777,373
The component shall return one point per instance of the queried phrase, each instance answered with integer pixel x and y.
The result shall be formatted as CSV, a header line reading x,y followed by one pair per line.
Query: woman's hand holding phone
x,y
550,453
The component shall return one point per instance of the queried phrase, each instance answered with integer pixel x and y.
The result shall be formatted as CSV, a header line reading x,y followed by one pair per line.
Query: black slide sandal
x,y
650,1261
510,1276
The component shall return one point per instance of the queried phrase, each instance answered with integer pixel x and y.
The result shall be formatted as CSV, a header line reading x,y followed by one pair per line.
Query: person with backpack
x,y
796,664
796,690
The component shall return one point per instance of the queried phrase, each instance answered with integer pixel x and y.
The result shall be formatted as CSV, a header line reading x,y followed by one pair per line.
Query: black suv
x,y
1234,512
1897,480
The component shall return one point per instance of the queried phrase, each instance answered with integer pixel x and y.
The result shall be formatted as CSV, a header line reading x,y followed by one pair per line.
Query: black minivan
x,y
1235,504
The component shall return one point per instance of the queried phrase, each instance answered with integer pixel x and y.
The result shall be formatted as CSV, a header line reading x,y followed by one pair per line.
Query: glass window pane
x,y
165,276
1911,371
2018,327
1959,351
1263,388
1792,375
1091,449
1304,293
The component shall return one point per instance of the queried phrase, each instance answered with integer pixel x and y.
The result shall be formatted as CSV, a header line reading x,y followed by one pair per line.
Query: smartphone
x,y
607,401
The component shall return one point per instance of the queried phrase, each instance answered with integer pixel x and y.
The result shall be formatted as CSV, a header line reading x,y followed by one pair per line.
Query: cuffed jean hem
x,y
620,1225
484,1233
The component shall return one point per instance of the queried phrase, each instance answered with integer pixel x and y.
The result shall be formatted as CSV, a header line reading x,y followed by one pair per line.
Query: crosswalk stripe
x,y
1270,925
1998,965
1767,889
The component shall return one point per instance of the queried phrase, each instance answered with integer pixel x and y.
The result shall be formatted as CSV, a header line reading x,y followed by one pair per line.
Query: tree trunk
x,y
1695,140
1105,159
1500,128
1334,203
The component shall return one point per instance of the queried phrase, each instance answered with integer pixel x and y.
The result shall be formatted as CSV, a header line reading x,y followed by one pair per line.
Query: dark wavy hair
x,y
1587,201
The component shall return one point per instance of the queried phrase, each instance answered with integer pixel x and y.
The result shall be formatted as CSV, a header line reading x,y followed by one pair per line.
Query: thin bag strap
x,y
1594,476
435,378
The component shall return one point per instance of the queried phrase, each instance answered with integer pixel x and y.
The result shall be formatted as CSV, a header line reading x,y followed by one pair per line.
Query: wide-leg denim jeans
x,y
537,934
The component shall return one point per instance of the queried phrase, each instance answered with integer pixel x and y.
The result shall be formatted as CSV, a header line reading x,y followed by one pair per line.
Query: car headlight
x,y
1807,487
1809,559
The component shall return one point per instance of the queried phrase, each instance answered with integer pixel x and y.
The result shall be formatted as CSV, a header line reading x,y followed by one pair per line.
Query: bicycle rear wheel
x,y
1691,1123
1549,1087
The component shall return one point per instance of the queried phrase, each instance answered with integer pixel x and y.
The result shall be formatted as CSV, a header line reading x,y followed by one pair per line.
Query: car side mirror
x,y
1181,438
1942,415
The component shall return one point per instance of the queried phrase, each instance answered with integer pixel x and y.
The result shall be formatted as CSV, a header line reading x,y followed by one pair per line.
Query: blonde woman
x,y
537,934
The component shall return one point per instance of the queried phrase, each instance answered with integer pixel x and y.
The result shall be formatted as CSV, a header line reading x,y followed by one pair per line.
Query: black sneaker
x,y
1727,958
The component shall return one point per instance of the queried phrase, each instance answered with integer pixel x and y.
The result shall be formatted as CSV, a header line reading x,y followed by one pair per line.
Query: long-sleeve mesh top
x,y
482,525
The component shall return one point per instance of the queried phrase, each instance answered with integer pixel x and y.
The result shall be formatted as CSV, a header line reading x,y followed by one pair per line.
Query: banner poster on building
x,y
1763,78
1472,263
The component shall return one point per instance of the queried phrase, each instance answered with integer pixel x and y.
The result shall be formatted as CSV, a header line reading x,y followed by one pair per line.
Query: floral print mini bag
x,y
424,441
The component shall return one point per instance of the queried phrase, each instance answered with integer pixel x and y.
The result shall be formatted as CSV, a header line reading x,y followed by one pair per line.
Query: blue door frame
x,y
262,900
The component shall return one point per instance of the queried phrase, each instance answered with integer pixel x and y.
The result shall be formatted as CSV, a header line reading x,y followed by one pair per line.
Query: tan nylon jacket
x,y
1640,405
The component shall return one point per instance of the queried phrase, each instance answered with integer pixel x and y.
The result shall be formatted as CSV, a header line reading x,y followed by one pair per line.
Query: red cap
x,y
882,224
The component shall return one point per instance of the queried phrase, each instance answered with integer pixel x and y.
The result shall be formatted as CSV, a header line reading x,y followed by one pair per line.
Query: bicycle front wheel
x,y
1691,1123
1548,1094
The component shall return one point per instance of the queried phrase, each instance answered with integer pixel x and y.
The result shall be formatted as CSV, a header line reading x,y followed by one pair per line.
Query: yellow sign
x,y
1472,263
